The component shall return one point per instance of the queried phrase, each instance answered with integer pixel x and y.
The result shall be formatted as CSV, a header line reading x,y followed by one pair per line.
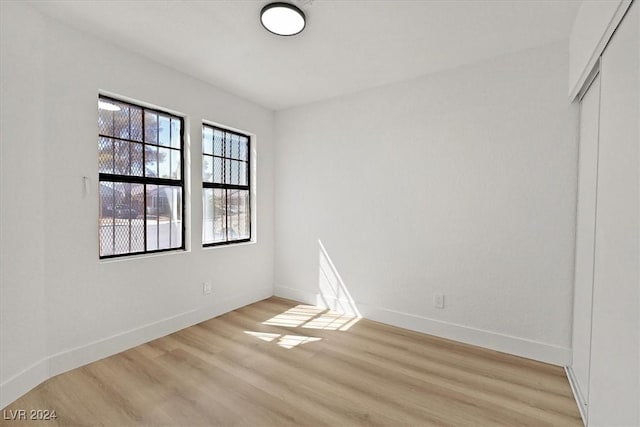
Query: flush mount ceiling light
x,y
283,19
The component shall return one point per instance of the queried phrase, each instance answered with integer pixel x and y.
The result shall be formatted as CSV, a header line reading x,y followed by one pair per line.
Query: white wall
x,y
22,211
60,303
461,183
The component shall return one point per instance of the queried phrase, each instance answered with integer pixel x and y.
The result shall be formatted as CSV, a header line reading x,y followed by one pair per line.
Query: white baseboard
x,y
55,364
24,381
16,386
548,353
296,295
582,406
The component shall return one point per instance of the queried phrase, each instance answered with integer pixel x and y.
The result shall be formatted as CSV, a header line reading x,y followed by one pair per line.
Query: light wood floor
x,y
279,363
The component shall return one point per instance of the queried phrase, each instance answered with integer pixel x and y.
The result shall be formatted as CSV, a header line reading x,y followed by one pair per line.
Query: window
x,y
226,197
140,166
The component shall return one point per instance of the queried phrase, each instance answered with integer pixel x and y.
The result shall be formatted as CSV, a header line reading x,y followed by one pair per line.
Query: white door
x,y
614,374
585,238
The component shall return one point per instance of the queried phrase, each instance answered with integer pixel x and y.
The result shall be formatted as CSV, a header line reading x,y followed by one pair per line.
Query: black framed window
x,y
140,165
226,195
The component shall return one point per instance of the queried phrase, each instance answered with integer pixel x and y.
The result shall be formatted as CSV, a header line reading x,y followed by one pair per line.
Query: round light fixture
x,y
283,19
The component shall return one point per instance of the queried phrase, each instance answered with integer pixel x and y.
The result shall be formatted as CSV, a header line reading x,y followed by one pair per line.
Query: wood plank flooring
x,y
281,363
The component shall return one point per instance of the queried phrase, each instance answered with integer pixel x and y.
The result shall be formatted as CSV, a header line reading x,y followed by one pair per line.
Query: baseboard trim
x,y
530,349
64,361
24,381
582,406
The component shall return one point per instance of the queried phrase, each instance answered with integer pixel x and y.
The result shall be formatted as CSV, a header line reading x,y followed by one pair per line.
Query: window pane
x,y
121,223
218,136
105,118
136,159
175,133
168,163
164,131
135,123
218,170
122,163
135,213
245,215
125,122
238,214
243,173
164,217
121,123
207,140
106,220
164,163
207,168
227,144
234,165
119,157
207,216
227,172
244,145
150,127
235,147
105,155
151,161
214,215
175,164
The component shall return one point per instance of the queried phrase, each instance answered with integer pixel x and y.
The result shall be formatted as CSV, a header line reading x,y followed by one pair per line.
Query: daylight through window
x,y
225,180
140,165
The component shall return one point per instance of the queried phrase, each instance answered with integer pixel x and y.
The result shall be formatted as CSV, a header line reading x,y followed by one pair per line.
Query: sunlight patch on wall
x,y
333,291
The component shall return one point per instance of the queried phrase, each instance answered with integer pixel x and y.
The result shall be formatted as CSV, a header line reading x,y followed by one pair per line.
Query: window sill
x,y
230,245
142,256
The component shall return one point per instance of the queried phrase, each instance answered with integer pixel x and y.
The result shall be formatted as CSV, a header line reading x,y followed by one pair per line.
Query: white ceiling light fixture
x,y
283,19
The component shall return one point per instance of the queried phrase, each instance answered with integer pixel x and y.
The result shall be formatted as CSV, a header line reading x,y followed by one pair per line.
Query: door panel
x,y
585,236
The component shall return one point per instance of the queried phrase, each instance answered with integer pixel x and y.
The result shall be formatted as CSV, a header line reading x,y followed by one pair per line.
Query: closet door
x,y
614,377
585,238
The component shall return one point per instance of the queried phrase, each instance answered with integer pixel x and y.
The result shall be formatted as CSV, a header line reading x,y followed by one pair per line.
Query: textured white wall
x,y
22,211
59,300
461,183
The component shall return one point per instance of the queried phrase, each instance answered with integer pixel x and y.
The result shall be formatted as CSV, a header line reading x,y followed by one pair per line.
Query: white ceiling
x,y
346,47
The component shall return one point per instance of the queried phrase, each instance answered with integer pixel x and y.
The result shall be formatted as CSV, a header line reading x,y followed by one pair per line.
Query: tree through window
x,y
140,166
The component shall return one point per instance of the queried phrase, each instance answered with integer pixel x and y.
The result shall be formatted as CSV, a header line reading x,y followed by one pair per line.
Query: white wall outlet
x,y
206,288
438,300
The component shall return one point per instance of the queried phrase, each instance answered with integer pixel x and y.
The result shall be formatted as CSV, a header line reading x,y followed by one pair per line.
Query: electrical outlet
x,y
206,288
438,300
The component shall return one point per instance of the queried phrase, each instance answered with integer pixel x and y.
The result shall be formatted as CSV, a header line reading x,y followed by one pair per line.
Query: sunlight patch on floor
x,y
284,341
264,336
291,341
295,316
331,321
311,317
